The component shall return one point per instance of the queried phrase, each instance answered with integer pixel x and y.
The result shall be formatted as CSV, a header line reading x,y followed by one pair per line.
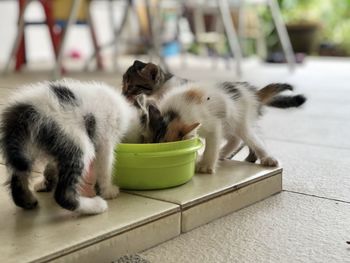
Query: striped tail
x,y
267,96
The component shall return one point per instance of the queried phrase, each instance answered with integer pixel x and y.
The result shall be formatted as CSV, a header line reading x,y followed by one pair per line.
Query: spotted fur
x,y
157,86
223,117
65,124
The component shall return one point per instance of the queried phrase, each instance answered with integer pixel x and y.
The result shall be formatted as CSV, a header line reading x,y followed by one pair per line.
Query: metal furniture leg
x,y
282,33
94,38
231,34
71,20
154,20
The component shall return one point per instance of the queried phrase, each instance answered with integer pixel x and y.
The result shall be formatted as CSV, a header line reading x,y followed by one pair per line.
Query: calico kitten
x,y
225,111
150,79
72,124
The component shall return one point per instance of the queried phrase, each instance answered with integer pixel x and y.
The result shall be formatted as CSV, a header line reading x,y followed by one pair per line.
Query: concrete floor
x,y
309,221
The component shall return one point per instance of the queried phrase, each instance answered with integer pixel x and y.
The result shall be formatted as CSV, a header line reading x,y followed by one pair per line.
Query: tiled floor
x,y
207,196
135,221
308,222
49,232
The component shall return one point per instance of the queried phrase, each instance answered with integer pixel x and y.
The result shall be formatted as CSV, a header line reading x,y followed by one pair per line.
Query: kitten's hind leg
x,y
230,146
256,145
103,168
66,193
251,158
50,179
21,194
71,167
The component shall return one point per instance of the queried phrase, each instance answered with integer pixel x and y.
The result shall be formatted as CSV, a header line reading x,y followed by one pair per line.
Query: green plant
x,y
301,11
332,17
336,26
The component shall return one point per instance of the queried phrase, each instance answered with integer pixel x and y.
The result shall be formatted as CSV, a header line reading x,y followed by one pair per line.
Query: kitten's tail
x,y
267,96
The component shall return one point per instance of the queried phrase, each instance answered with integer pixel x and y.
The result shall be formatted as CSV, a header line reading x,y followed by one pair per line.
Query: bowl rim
x,y
157,147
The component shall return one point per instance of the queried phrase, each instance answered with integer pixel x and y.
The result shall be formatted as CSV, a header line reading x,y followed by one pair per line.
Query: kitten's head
x,y
142,78
157,127
174,129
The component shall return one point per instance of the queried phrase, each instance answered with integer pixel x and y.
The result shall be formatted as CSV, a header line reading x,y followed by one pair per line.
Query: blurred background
x,y
108,35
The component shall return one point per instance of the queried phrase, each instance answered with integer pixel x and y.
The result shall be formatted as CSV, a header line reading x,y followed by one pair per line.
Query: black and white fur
x,y
71,124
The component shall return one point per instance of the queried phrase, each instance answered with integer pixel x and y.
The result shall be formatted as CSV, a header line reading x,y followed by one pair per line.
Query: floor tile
x,y
285,228
225,204
321,171
14,80
230,175
130,242
49,231
208,197
304,129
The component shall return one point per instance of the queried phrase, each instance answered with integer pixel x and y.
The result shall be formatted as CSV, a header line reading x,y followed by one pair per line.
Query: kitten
x,y
150,79
222,111
72,124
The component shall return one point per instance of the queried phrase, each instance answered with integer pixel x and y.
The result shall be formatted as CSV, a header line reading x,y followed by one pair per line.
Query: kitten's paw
x,y
28,202
90,206
269,161
110,192
204,169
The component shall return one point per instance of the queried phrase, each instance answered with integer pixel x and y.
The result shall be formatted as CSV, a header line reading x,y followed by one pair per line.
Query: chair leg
x,y
111,13
94,39
21,56
260,41
71,20
241,26
282,34
231,34
154,21
19,44
55,38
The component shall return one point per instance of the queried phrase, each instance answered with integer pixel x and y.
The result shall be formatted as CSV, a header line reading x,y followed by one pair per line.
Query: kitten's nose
x,y
130,98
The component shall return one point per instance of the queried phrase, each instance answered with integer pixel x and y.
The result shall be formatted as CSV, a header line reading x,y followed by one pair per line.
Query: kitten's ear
x,y
141,101
190,130
138,64
150,72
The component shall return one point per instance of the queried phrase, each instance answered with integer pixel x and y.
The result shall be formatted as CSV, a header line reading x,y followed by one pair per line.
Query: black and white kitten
x,y
71,124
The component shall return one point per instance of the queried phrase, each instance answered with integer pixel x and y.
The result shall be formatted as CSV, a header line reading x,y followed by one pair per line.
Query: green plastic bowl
x,y
156,165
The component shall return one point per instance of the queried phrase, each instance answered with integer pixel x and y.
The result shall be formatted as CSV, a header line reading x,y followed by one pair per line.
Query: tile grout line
x,y
320,197
151,197
310,144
